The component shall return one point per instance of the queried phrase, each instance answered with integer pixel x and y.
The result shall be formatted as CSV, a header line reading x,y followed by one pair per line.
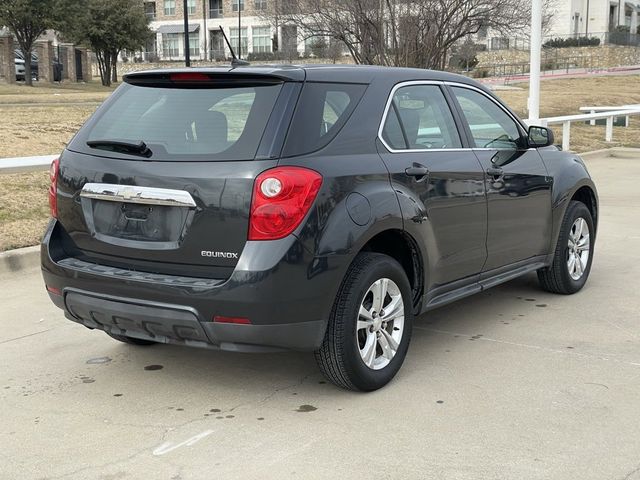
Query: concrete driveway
x,y
513,383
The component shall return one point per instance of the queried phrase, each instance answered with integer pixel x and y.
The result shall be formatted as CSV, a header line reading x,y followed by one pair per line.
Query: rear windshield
x,y
184,123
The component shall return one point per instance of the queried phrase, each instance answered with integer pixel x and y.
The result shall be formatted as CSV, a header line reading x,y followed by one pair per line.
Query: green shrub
x,y
572,42
261,57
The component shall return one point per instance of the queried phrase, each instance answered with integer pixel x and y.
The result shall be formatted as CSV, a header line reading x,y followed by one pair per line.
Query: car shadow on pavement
x,y
206,370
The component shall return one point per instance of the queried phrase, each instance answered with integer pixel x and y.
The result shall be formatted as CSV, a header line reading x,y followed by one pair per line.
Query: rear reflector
x,y
54,290
235,320
54,171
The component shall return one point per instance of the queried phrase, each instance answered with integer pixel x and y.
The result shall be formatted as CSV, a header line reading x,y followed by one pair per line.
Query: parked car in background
x,y
34,63
314,208
20,69
35,67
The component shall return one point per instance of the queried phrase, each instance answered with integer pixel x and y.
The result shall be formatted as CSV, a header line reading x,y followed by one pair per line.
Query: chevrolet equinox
x,y
315,208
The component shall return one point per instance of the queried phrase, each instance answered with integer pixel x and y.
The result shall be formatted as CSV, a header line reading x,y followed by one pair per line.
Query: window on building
x,y
233,39
191,7
169,7
215,8
150,10
171,45
237,5
260,4
194,44
261,39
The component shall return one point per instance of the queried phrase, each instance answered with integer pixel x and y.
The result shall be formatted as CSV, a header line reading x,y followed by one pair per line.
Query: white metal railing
x,y
608,109
26,164
567,119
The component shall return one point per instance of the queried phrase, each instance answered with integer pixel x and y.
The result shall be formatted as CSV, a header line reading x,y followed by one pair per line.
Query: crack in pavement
x,y
26,336
631,473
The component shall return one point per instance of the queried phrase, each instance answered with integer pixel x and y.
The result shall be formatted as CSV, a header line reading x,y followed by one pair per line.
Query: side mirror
x,y
540,137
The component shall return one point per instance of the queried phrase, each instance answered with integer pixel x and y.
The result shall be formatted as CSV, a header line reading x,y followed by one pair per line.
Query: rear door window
x,y
185,123
322,110
419,118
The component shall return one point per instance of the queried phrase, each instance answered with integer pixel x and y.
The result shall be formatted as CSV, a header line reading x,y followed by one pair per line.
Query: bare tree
x,y
416,33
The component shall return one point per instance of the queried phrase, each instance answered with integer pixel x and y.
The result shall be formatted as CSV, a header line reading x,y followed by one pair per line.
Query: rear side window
x,y
186,123
322,110
419,118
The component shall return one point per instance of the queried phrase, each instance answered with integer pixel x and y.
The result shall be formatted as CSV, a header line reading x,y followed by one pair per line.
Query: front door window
x,y
491,127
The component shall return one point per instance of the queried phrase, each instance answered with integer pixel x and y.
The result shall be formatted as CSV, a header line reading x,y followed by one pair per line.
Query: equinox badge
x,y
207,253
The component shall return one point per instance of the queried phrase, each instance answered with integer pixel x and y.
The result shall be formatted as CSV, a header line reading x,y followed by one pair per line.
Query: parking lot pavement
x,y
513,383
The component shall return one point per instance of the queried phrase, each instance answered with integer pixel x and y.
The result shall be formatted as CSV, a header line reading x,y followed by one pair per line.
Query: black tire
x,y
556,278
339,357
130,340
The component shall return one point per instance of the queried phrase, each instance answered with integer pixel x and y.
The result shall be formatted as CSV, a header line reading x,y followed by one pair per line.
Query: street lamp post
x,y
535,52
187,55
239,31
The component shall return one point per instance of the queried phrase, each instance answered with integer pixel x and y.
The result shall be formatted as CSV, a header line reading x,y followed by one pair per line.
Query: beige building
x,y
594,17
205,40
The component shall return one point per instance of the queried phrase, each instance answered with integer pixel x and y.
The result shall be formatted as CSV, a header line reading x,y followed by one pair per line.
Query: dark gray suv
x,y
316,208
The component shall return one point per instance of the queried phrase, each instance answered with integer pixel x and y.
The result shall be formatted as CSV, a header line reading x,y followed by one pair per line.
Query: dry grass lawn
x,y
45,129
41,120
24,209
565,97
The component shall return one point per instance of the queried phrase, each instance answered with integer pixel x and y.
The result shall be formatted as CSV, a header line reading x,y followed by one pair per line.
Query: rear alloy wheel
x,y
574,253
130,340
380,323
370,325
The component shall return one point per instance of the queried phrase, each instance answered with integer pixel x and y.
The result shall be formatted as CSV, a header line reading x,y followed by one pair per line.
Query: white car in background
x,y
20,69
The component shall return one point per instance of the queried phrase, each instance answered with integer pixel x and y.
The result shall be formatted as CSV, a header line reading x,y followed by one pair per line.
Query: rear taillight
x,y
53,187
281,198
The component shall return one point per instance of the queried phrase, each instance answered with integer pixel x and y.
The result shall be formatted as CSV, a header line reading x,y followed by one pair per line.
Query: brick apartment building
x,y
205,40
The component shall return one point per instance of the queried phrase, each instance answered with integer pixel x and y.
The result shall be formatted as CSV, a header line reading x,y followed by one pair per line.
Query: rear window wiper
x,y
131,148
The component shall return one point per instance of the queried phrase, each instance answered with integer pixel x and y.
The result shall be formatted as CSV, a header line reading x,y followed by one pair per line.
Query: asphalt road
x,y
513,383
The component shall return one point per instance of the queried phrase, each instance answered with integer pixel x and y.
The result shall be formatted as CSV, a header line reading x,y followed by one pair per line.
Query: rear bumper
x,y
285,292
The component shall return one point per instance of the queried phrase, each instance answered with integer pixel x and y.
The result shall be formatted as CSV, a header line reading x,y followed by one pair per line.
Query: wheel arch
x,y
583,191
587,195
403,248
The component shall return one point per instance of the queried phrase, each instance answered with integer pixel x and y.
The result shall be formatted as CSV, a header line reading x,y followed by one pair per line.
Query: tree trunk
x,y
104,65
114,67
26,53
27,71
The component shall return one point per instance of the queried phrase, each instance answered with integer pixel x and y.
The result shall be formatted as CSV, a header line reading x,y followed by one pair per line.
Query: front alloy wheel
x,y
579,248
573,254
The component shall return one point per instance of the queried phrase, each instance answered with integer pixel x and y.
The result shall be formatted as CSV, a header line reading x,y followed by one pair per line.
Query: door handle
x,y
495,172
417,170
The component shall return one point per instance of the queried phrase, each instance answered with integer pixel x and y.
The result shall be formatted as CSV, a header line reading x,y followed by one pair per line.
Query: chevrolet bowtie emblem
x,y
127,193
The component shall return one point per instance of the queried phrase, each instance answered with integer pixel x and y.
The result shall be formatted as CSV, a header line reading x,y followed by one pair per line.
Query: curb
x,y
13,261
616,152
